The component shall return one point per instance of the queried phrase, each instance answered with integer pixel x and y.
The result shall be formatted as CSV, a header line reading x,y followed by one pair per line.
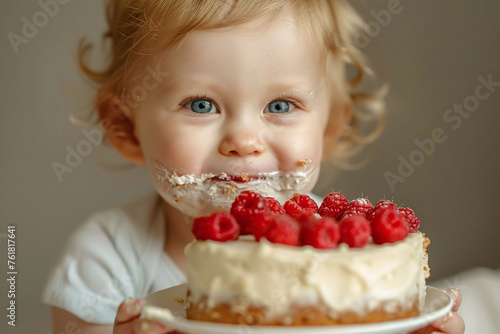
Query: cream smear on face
x,y
200,195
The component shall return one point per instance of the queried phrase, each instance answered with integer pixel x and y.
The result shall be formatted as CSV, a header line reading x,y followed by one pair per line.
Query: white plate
x,y
168,306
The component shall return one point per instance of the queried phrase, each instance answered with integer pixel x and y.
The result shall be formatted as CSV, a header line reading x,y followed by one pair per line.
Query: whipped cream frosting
x,y
200,195
275,276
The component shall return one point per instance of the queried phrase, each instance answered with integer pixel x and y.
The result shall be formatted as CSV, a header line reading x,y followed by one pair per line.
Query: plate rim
x,y
395,326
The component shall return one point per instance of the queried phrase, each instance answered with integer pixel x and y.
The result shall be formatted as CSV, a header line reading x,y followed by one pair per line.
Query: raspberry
x,y
247,204
358,207
300,204
355,231
412,221
361,206
333,205
388,225
219,226
321,233
274,206
350,213
260,223
283,229
381,204
306,217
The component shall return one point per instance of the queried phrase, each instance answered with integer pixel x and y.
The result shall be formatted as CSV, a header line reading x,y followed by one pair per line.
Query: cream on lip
x,y
198,195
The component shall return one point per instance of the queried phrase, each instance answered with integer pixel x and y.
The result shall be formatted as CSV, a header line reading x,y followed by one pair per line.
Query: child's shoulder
x,y
133,210
116,250
132,225
141,213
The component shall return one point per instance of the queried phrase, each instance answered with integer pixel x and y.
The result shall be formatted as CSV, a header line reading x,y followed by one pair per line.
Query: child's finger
x,y
453,324
140,326
143,326
450,323
457,298
129,310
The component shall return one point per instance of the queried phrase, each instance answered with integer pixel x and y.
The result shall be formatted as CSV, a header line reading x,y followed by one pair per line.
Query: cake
x,y
297,264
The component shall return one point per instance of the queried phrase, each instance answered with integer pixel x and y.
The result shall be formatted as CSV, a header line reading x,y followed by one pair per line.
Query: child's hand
x,y
128,320
452,323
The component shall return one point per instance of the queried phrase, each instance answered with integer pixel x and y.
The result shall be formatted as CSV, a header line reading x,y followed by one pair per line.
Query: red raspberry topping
x,y
333,205
307,217
300,204
246,205
321,233
350,213
274,206
412,221
388,225
283,229
380,205
355,231
219,226
358,207
383,203
260,223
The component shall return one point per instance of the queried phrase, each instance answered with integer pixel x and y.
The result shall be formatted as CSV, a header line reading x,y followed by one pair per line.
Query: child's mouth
x,y
242,178
201,194
166,175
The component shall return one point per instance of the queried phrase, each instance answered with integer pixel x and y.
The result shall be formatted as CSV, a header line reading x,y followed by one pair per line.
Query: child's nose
x,y
242,142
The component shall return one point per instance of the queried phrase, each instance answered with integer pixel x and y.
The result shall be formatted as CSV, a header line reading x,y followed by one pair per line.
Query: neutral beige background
x,y
431,54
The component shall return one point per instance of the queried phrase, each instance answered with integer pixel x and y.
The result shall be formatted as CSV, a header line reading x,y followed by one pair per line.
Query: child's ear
x,y
115,117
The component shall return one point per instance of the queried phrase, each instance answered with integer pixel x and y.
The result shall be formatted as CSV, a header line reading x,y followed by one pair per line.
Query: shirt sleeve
x,y
104,263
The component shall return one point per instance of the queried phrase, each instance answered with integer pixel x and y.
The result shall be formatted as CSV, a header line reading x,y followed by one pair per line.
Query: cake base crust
x,y
298,316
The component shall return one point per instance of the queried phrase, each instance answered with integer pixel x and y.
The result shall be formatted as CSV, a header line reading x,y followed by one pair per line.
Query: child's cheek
x,y
304,151
176,146
301,148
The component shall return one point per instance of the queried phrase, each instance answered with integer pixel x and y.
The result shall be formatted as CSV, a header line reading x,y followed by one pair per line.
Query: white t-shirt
x,y
116,254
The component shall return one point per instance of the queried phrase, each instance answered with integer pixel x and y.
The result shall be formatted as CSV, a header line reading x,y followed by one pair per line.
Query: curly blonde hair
x,y
141,28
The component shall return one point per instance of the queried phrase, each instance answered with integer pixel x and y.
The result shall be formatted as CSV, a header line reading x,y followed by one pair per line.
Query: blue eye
x,y
201,106
279,107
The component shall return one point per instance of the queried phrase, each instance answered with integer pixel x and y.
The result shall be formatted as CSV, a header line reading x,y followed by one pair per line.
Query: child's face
x,y
242,101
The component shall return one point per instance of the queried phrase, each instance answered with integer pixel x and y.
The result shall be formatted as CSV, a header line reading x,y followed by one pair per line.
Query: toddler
x,y
214,97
